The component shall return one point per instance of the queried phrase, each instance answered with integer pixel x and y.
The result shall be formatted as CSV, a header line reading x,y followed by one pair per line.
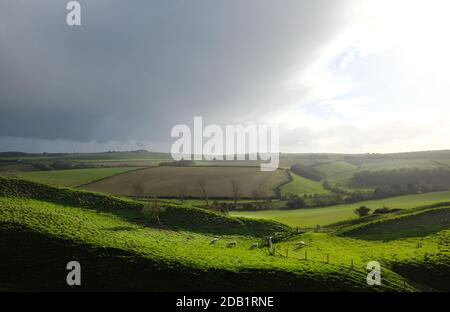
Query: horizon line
x,y
281,153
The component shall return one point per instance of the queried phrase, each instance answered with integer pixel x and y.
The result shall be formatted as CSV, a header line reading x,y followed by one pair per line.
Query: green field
x,y
117,243
328,215
399,164
331,169
301,186
73,177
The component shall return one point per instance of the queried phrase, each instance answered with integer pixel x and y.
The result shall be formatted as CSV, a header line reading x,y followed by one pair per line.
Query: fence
x,y
359,268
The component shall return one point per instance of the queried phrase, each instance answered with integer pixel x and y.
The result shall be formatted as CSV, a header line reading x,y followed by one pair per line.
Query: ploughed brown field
x,y
167,181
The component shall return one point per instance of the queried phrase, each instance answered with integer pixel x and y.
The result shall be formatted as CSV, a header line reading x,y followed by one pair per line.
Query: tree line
x,y
437,177
306,172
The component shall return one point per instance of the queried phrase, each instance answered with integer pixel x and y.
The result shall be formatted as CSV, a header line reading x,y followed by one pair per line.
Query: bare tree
x,y
201,184
256,196
236,190
264,197
182,193
268,203
153,209
216,205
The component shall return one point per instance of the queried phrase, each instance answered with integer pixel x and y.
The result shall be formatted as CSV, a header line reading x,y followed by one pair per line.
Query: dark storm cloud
x,y
136,68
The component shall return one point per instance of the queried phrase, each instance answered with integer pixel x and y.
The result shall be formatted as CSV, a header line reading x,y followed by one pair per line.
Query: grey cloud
x,y
136,68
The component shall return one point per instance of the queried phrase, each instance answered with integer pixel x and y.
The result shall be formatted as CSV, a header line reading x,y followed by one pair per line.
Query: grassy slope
x,y
73,177
181,250
189,251
301,185
328,215
331,169
188,218
404,224
427,262
185,259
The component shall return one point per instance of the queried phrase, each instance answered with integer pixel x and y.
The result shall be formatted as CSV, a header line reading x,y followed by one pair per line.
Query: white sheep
x,y
232,244
215,240
254,246
302,244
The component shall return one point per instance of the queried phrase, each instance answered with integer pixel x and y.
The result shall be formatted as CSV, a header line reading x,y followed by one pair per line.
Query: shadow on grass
x,y
416,225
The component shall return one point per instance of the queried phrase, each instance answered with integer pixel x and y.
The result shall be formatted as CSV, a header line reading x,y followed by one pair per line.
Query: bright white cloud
x,y
381,85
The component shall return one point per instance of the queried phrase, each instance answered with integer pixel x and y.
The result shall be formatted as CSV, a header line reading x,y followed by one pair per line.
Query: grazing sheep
x,y
254,246
232,244
301,244
215,240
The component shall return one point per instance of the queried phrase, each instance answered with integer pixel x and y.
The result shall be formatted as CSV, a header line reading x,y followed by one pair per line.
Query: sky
x,y
340,76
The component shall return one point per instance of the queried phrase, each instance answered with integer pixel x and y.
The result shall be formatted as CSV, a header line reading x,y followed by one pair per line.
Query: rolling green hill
x,y
179,217
300,185
403,224
122,248
427,227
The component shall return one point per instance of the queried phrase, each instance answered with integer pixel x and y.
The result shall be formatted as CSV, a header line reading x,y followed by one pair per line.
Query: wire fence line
x,y
354,266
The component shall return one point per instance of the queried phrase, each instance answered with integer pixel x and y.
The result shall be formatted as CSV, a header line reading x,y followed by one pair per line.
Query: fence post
x,y
287,252
306,255
352,263
270,246
328,258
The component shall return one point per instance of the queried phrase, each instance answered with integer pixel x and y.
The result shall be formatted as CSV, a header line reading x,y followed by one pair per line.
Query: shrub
x,y
385,210
295,202
153,210
362,211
